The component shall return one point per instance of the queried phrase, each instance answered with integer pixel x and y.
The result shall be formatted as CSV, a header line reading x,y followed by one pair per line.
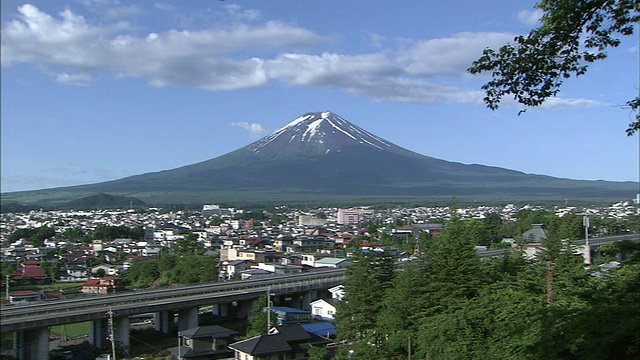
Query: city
x,y
240,244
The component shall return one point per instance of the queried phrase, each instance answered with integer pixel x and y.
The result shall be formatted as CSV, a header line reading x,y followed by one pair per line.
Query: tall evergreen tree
x,y
450,271
367,281
259,318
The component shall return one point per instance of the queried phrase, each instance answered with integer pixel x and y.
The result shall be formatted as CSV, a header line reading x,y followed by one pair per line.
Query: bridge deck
x,y
26,317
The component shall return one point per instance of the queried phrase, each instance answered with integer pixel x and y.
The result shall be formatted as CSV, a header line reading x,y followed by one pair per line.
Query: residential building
x,y
535,235
282,343
203,342
28,297
104,285
324,309
30,273
334,263
288,315
347,217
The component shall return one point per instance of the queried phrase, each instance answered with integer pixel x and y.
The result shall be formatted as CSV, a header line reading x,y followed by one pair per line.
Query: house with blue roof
x,y
289,315
334,263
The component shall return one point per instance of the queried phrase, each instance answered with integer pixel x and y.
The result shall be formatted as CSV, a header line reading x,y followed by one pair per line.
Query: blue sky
x,y
95,90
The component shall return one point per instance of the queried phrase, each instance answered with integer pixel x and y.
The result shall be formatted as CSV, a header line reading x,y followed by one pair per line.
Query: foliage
x,y
319,353
142,272
191,269
189,245
106,232
449,304
215,221
173,269
55,269
75,234
278,219
36,236
629,249
7,267
493,225
573,35
259,317
367,281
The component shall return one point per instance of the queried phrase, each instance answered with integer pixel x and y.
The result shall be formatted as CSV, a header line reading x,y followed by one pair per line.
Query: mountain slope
x,y
322,153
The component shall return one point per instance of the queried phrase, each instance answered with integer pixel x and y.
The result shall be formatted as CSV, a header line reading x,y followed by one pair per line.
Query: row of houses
x,y
216,342
295,333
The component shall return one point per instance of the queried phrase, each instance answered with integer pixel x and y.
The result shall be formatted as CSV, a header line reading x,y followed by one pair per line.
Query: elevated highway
x,y
30,323
589,252
20,318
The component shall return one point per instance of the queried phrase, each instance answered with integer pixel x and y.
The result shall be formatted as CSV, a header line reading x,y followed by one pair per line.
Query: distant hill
x,y
322,154
104,201
91,202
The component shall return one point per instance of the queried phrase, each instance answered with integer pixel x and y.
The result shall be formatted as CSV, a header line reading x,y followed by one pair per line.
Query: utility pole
x,y
585,223
549,282
268,309
112,335
7,283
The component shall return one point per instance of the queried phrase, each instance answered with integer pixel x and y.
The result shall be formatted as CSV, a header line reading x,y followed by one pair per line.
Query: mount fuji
x,y
320,153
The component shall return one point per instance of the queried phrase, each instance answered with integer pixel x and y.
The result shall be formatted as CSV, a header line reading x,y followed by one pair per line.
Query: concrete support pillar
x,y
307,298
277,300
187,318
221,309
18,345
98,332
122,330
31,344
244,308
296,301
163,321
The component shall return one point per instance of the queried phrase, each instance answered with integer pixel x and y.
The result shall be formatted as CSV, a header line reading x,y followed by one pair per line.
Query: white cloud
x,y
561,103
165,6
73,79
39,38
121,12
244,56
372,75
452,55
210,59
241,14
530,17
254,129
98,2
330,69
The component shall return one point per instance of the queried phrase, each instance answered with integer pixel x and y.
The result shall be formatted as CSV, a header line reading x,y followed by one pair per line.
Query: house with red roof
x,y
27,297
30,273
104,285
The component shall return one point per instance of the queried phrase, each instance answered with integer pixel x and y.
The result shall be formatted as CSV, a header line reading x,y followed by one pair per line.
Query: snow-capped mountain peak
x,y
319,132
